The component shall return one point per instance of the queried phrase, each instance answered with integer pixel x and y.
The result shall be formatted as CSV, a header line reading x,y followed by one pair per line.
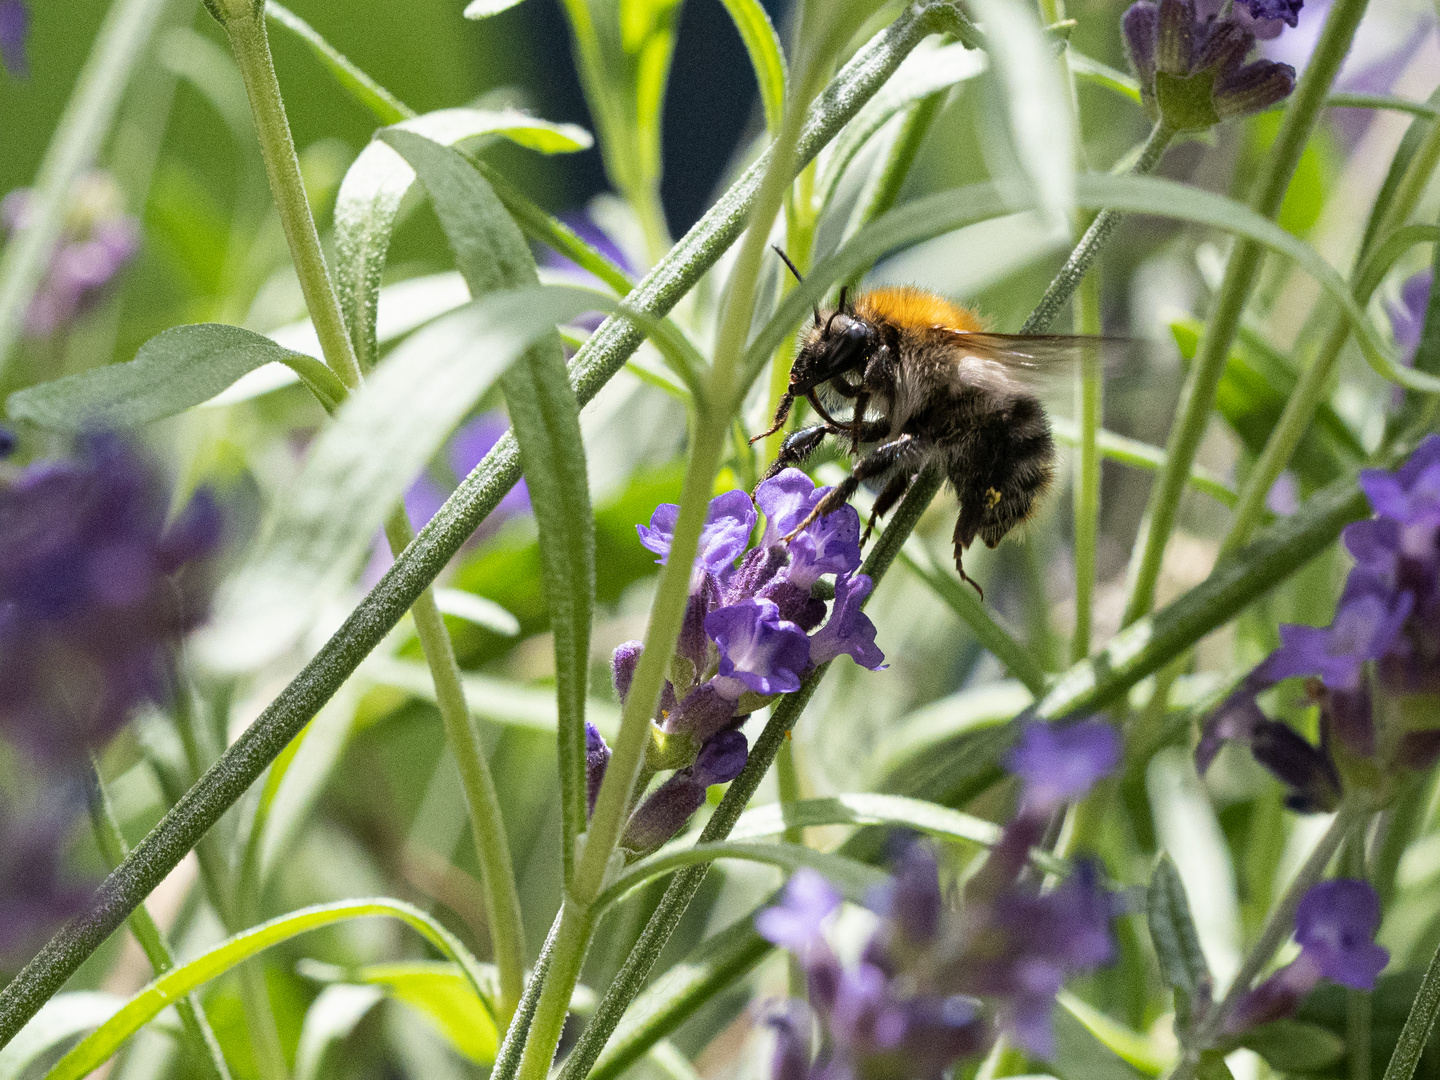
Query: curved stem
x,y
1198,396
251,46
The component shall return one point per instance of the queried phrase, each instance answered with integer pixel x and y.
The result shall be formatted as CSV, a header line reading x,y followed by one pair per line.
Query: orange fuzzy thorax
x,y
913,308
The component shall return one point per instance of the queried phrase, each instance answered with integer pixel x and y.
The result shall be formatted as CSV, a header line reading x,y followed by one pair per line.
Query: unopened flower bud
x,y
597,757
670,806
622,667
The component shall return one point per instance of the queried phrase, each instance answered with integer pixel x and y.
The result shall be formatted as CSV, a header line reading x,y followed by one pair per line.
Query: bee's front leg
x,y
878,462
798,446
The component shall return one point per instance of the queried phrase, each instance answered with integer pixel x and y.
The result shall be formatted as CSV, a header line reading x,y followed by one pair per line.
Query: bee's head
x,y
838,343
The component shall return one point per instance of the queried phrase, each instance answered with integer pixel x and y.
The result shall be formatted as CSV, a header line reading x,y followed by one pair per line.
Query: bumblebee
x,y
926,383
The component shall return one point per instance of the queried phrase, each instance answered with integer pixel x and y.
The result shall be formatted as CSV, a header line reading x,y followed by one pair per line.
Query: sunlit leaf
x,y
767,56
443,995
174,370
483,9
96,1049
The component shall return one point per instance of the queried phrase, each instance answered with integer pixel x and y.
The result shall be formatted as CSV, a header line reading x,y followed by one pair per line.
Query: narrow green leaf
x,y
1042,123
1129,1046
853,879
1290,1046
477,610
1093,71
865,809
483,9
1172,931
501,701
931,69
388,109
766,56
360,466
1142,455
545,416
97,1048
444,996
331,1018
368,203
963,601
62,1017
173,371
1416,1032
1079,1055
1383,101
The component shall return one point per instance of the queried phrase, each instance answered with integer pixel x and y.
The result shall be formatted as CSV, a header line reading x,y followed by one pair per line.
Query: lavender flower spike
x,y
669,807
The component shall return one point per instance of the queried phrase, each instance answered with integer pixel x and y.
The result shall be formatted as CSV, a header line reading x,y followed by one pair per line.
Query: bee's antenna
x,y
780,251
843,290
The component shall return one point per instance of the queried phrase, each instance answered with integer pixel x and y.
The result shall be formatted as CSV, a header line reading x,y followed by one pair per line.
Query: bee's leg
x,y
893,493
963,535
857,421
798,446
878,462
782,413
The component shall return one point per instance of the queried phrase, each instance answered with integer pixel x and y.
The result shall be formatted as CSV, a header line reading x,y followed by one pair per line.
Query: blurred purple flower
x,y
1060,762
14,31
1335,927
8,442
1365,628
36,892
929,982
666,810
1286,11
90,608
1407,316
757,647
584,226
98,241
795,923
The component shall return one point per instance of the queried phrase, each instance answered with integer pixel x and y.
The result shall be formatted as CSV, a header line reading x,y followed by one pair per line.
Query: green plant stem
x,y
251,46
1198,396
507,1059
603,356
1093,242
1416,1032
113,847
497,873
1089,408
120,47
1278,927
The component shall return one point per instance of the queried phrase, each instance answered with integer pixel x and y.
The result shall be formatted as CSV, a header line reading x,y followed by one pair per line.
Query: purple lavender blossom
x,y
1364,629
14,32
8,442
99,240
1060,762
725,535
1335,927
1286,11
796,922
622,667
1169,43
932,984
1407,316
849,630
758,649
90,604
597,757
666,810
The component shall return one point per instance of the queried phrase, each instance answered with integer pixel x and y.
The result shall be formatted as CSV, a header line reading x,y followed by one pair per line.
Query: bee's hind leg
x,y
893,493
878,462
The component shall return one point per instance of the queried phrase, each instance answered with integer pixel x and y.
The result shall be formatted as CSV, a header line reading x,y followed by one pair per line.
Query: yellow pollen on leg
x,y
992,498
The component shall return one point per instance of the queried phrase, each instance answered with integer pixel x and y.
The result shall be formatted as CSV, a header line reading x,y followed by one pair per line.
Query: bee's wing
x,y
1040,358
